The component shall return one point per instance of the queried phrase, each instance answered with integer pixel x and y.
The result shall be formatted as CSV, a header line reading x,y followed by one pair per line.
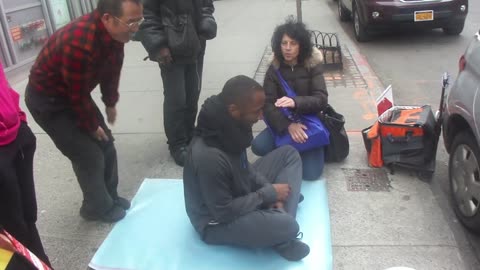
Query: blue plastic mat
x,y
156,234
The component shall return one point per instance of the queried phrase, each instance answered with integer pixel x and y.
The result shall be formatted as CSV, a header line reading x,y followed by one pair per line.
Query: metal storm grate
x,y
366,180
329,45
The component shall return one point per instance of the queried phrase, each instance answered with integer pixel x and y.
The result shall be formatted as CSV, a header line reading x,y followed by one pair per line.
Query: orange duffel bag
x,y
402,136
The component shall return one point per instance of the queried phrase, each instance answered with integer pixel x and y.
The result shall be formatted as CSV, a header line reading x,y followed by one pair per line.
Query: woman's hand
x,y
285,102
297,131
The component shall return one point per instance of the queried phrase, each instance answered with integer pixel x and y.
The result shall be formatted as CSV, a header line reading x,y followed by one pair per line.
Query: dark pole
x,y
299,10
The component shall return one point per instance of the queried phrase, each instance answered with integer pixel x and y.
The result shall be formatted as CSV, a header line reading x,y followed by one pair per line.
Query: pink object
x,y
385,100
384,105
25,252
10,113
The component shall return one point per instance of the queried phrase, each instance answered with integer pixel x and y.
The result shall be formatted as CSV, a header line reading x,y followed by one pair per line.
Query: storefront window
x,y
28,32
15,4
60,12
26,25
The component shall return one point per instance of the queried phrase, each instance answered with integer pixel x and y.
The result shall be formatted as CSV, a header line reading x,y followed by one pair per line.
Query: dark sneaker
x,y
179,155
293,250
114,214
123,203
301,198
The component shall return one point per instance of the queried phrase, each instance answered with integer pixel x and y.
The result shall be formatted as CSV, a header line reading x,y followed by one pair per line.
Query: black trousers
x,y
18,203
94,162
181,89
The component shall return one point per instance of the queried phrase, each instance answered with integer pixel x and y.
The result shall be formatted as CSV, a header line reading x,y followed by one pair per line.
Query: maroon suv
x,y
373,15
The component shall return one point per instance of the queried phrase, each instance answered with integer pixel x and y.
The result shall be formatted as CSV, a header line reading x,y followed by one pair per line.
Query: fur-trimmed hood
x,y
315,59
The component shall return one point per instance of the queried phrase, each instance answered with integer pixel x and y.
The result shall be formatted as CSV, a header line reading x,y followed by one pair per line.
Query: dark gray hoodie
x,y
220,185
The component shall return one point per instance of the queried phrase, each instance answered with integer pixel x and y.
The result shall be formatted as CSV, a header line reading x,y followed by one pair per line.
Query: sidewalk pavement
x,y
399,226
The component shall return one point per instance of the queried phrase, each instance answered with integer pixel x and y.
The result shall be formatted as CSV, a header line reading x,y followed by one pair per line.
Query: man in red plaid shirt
x,y
85,53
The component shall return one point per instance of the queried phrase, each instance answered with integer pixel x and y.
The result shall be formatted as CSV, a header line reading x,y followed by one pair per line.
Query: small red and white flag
x,y
385,100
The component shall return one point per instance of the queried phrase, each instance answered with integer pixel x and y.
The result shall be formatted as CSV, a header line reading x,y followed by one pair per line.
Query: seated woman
x,y
300,64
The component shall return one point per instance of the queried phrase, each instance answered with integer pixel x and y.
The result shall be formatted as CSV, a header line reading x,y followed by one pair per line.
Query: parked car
x,y
373,15
461,134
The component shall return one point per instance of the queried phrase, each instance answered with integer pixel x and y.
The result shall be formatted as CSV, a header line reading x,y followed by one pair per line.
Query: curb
x,y
374,85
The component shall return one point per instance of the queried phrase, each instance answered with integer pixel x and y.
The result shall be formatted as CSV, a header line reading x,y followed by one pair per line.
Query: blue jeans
x,y
312,160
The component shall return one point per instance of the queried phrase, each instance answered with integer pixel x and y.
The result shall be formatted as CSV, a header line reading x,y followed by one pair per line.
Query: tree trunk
x,y
299,10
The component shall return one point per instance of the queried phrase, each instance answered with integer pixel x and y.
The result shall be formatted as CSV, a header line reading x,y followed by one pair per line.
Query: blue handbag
x,y
318,134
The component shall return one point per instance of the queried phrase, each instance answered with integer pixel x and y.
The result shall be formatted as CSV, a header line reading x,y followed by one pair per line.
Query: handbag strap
x,y
285,86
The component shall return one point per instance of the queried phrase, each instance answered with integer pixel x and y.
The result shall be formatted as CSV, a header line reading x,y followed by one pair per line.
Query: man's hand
x,y
285,102
164,57
111,115
297,131
283,190
100,134
279,205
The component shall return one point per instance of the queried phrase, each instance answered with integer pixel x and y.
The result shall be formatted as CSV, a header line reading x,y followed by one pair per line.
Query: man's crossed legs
x,y
276,228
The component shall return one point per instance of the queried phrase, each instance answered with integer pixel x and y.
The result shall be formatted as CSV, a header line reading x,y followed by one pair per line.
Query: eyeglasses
x,y
131,25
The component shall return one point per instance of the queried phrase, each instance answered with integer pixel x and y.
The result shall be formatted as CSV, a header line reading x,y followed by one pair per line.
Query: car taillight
x,y
462,63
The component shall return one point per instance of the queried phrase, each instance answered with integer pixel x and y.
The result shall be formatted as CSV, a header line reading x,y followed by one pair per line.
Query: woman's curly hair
x,y
297,31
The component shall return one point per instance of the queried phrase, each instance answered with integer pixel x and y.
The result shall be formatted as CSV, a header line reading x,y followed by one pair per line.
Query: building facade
x,y
26,24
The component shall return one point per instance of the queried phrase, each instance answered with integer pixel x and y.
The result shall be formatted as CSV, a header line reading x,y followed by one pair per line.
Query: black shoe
x,y
301,198
179,155
114,214
293,250
123,203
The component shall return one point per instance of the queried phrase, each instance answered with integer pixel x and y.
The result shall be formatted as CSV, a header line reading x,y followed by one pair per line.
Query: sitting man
x,y
230,201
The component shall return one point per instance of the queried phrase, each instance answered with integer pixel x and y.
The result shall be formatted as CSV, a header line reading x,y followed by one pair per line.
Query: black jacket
x,y
305,79
152,32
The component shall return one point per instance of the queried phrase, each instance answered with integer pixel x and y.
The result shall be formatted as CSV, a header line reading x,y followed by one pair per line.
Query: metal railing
x,y
329,45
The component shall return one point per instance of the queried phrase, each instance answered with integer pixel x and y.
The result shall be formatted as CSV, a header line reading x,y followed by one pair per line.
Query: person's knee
x,y
263,143
258,148
91,160
290,151
288,227
313,164
312,173
261,147
109,148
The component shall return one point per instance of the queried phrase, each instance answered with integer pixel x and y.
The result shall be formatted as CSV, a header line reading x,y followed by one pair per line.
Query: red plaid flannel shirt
x,y
74,61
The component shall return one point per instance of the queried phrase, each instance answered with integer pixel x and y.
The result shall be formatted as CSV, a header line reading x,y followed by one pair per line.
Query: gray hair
x,y
113,7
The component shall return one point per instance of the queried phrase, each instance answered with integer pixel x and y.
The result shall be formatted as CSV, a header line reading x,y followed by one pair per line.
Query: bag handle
x,y
285,86
290,93
406,139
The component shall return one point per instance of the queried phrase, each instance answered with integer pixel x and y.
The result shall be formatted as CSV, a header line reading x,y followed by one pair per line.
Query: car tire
x,y
343,13
454,29
464,176
359,29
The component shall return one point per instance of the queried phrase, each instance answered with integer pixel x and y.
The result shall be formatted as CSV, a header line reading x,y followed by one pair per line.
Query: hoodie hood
x,y
220,130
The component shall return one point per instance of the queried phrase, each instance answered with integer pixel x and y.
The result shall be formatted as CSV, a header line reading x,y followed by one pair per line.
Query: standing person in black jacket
x,y
230,201
174,34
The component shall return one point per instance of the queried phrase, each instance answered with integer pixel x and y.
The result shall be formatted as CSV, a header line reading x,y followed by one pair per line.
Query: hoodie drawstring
x,y
244,160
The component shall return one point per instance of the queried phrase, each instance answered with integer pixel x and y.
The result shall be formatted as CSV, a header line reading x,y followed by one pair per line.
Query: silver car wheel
x,y
356,22
465,178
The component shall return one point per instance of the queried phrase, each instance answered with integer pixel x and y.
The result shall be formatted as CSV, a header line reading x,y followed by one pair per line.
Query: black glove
x,y
208,28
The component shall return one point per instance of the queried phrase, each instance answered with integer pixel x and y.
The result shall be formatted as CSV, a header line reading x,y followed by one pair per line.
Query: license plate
x,y
424,15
